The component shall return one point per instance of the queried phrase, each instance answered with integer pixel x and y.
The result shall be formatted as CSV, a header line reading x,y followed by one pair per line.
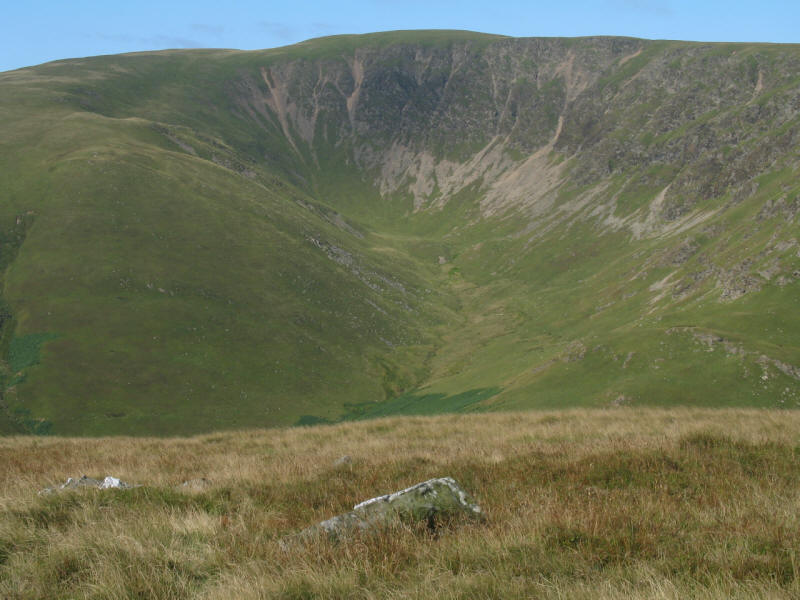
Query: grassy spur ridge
x,y
617,503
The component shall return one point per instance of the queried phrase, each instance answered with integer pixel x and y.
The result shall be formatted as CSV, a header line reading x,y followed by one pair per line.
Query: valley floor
x,y
616,503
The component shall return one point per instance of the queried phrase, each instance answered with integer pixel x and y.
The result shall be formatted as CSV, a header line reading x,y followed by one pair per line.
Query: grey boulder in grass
x,y
429,502
108,483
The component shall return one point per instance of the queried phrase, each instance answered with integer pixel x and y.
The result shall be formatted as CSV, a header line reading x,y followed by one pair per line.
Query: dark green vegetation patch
x,y
23,352
423,404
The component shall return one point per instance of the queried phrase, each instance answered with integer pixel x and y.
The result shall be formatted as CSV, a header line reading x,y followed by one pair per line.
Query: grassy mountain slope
x,y
181,293
432,220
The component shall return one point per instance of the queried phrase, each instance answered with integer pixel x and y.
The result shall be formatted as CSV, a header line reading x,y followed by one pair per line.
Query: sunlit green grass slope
x,y
178,294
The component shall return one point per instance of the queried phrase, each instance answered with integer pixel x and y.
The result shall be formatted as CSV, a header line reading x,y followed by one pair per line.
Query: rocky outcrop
x,y
343,461
428,502
107,483
433,119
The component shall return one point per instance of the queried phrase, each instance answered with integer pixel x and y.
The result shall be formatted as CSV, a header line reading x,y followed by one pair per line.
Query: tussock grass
x,y
615,503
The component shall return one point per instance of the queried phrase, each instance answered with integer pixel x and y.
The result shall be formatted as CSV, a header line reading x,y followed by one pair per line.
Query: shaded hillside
x,y
442,220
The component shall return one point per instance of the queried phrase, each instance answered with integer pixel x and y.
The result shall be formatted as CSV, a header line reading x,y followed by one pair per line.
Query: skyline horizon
x,y
54,31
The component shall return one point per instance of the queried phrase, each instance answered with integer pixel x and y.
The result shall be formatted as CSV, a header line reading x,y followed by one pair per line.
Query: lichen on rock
x,y
428,502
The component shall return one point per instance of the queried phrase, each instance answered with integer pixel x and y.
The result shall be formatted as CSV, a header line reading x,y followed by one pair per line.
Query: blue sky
x,y
38,31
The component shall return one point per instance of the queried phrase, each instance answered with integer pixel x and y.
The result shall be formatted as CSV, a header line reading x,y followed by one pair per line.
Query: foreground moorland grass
x,y
617,503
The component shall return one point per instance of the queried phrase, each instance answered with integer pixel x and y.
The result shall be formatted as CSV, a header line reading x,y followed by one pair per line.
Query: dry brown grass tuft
x,y
582,504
